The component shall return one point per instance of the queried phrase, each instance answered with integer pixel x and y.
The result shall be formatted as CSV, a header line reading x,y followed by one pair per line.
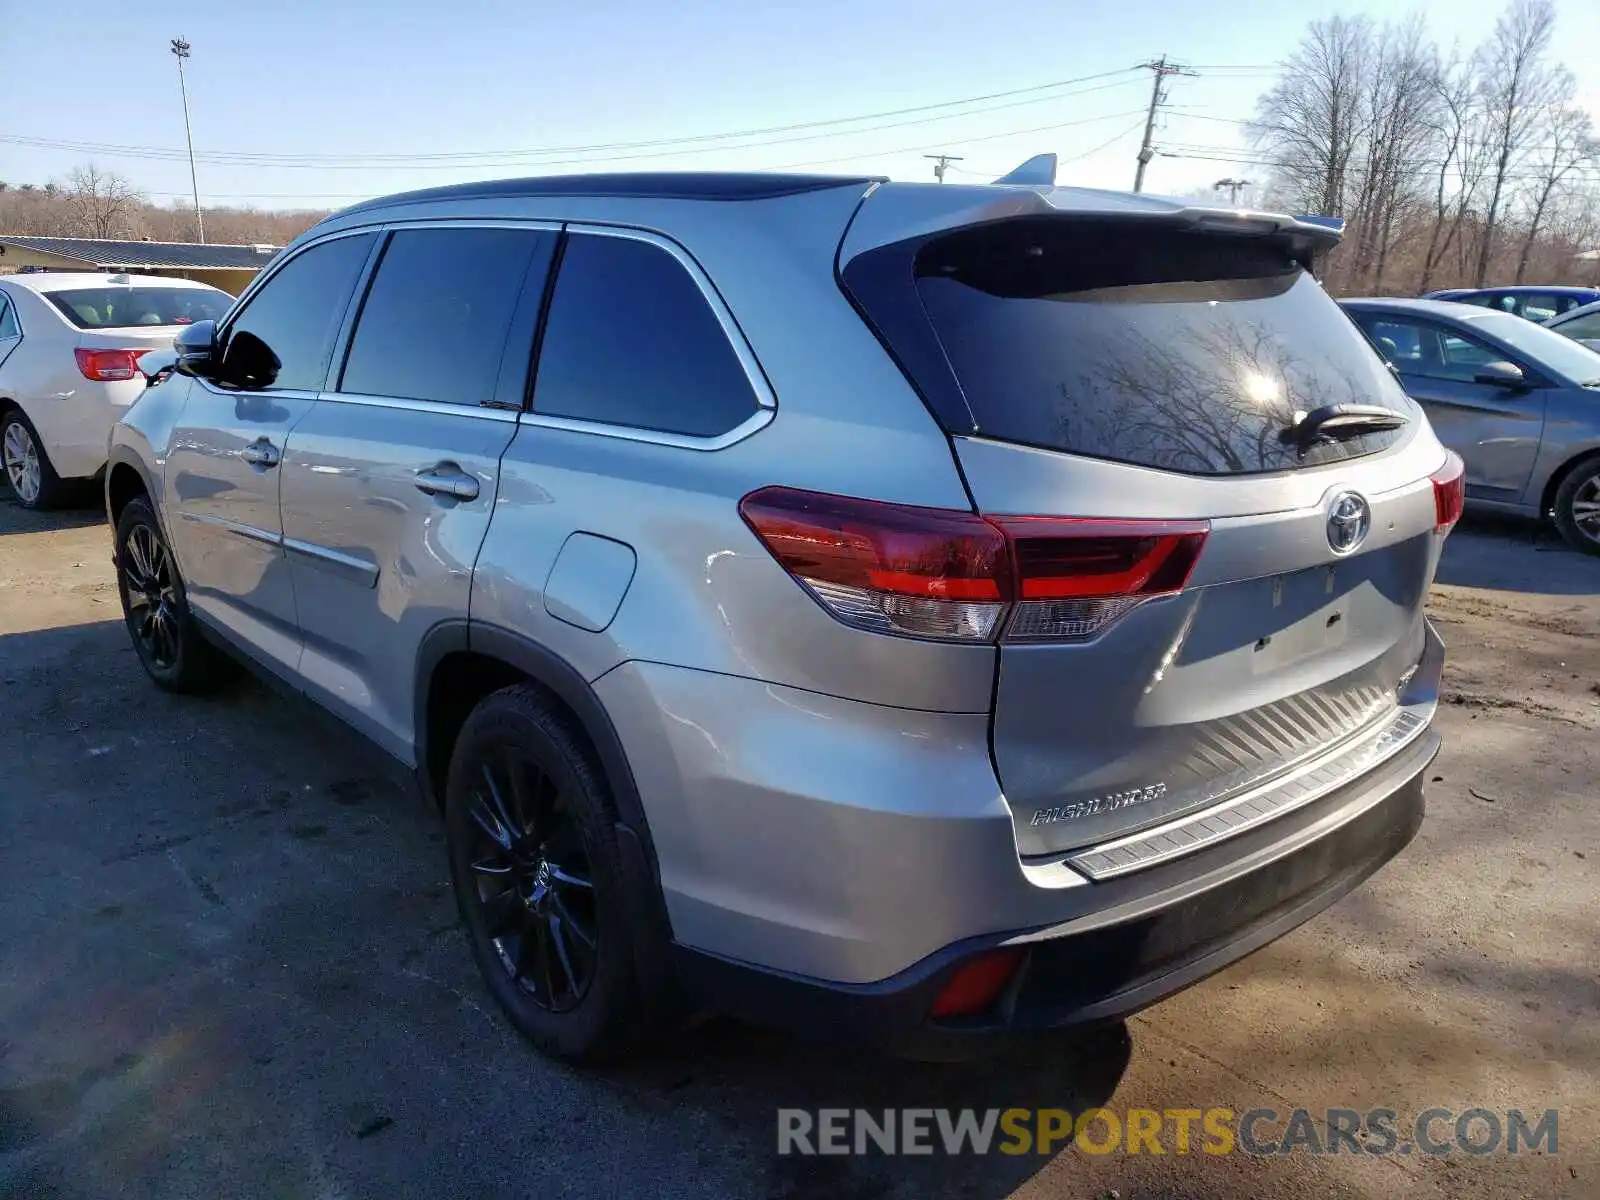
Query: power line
x,y
988,137
941,164
464,158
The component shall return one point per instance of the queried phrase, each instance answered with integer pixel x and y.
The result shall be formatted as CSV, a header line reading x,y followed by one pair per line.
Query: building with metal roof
x,y
227,267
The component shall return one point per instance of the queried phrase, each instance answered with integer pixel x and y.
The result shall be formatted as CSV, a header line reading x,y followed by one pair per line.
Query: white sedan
x,y
69,349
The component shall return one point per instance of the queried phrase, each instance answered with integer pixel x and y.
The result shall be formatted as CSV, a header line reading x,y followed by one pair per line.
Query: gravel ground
x,y
229,962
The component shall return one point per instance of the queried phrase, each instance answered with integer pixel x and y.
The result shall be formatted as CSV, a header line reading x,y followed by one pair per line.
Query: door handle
x,y
261,453
447,479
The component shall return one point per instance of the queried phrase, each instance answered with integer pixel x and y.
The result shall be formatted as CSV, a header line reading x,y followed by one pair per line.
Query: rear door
x,y
1142,381
1495,429
390,479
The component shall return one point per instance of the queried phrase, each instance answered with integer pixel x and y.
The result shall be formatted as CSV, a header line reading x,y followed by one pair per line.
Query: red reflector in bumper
x,y
977,983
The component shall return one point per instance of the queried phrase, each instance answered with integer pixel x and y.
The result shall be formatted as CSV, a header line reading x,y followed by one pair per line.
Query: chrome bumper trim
x,y
1284,794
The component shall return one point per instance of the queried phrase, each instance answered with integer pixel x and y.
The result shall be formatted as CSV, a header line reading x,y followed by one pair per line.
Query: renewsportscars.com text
x,y
1256,1131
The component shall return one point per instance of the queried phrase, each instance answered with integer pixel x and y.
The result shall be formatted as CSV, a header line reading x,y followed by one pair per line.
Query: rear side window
x,y
8,319
631,340
124,307
295,316
1165,348
435,322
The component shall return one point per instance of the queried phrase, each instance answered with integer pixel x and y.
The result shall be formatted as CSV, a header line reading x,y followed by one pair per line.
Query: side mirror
x,y
195,349
1501,374
247,363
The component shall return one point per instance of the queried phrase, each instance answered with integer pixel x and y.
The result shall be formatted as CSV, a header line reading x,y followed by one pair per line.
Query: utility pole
x,y
941,162
1234,186
180,48
1158,96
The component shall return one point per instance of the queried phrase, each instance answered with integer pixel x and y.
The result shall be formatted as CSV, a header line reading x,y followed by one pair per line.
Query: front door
x,y
1495,429
390,480
223,466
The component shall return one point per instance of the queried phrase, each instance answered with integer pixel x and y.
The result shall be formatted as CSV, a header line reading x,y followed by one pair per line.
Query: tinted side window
x,y
1586,326
8,319
630,340
434,324
1428,351
294,318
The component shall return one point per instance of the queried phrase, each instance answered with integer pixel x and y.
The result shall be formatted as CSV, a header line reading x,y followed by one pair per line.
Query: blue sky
x,y
330,82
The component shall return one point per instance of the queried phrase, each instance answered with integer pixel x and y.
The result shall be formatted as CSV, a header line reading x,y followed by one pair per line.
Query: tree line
x,y
1452,167
92,203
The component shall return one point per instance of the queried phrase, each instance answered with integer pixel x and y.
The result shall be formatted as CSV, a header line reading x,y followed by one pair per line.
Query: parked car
x,y
1579,324
1520,403
69,342
921,614
1536,303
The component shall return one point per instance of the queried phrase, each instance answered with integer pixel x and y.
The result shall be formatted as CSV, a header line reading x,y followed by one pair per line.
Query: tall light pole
x,y
181,49
1234,187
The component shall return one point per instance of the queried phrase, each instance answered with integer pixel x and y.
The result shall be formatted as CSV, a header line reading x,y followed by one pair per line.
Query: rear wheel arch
x,y
457,666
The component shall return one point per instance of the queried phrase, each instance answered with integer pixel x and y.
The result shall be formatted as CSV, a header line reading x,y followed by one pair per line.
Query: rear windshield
x,y
119,307
1175,349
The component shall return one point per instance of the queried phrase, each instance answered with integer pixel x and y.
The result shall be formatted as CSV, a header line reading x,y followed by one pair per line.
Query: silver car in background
x,y
1518,401
916,614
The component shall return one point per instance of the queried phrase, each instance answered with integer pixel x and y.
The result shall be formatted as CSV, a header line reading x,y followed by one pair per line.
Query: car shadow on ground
x,y
1514,554
84,510
292,986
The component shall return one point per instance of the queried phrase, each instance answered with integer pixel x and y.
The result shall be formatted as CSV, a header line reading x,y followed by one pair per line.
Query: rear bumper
x,y
1141,938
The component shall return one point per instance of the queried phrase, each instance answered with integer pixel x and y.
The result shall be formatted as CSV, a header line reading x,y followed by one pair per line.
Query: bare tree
x,y
1516,86
102,204
1459,162
1308,124
1568,143
1397,123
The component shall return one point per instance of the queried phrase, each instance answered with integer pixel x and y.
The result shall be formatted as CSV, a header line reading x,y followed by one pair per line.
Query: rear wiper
x,y
1335,422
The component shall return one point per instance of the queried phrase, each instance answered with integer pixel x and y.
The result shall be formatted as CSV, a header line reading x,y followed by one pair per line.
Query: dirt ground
x,y
229,964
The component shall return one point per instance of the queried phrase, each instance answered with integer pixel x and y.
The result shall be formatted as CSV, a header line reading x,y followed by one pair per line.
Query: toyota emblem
x,y
1349,519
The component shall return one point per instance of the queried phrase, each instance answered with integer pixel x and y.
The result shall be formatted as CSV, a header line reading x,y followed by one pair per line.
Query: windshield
x,y
115,307
1543,347
1164,347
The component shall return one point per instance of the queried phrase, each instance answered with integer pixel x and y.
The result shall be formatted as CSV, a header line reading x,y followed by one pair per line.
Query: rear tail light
x,y
955,576
1449,492
108,366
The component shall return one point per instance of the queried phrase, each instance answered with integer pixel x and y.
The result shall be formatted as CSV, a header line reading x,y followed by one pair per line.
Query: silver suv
x,y
918,614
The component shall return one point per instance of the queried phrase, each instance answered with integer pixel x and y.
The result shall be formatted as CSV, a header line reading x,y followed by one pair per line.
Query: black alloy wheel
x,y
533,881
156,608
148,582
550,904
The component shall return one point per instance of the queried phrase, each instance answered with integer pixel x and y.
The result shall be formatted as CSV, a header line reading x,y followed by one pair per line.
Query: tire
x,y
540,882
156,610
27,468
1577,506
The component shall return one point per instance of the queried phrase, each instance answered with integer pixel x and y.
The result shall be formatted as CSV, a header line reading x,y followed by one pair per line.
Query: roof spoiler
x,y
1038,171
1334,223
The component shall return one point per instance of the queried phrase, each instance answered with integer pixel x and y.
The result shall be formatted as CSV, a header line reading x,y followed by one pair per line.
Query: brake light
x,y
108,366
1449,492
953,575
